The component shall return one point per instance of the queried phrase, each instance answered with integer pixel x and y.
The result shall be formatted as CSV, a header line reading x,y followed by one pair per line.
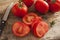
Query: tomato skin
x,y
54,6
36,21
29,18
28,3
17,31
40,28
18,10
41,6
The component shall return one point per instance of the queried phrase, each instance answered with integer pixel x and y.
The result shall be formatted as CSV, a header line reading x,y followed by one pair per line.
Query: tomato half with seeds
x,y
29,18
36,21
39,29
20,29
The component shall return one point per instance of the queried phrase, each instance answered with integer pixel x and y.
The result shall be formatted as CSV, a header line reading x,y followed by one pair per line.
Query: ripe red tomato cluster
x,y
43,6
20,9
31,21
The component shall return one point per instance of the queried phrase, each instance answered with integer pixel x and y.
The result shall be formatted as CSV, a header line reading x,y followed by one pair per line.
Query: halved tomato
x,y
20,29
35,21
40,28
45,26
29,18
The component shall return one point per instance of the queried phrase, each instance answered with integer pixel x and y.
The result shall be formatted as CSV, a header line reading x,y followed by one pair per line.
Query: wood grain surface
x,y
7,33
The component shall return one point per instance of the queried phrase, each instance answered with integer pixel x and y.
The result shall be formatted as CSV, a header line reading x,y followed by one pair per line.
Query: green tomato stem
x,y
53,1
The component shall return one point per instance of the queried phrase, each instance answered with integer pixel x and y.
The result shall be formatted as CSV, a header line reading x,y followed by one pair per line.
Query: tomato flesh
x,y
29,18
35,21
40,28
20,29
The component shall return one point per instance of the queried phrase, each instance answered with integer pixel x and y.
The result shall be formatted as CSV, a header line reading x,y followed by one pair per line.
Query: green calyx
x,y
53,1
45,0
20,3
52,23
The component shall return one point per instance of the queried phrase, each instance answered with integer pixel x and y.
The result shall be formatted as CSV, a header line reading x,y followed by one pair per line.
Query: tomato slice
x,y
44,25
29,18
40,29
36,21
20,29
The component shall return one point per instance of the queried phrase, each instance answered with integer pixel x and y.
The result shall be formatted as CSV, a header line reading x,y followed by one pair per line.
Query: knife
x,y
5,17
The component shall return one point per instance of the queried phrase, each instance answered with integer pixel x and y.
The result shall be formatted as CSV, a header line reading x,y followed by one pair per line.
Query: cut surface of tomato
x,y
29,18
20,29
36,21
40,29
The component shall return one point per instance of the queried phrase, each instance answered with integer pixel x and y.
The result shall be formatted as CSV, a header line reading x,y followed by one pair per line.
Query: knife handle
x,y
2,26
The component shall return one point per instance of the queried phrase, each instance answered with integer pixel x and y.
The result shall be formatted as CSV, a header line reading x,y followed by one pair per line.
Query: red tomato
x,y
54,5
19,9
41,6
29,18
28,3
20,29
35,21
39,29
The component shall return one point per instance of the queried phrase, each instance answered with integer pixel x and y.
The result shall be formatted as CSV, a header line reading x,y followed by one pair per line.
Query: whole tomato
x,y
28,3
41,6
54,5
19,9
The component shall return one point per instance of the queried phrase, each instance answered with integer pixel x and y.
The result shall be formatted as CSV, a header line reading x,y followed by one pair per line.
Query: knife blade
x,y
5,17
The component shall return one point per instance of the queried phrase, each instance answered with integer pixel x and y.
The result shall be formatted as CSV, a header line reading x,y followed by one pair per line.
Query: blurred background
x,y
4,4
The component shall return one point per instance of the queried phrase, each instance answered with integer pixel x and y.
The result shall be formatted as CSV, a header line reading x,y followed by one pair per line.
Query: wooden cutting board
x,y
7,33
4,4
